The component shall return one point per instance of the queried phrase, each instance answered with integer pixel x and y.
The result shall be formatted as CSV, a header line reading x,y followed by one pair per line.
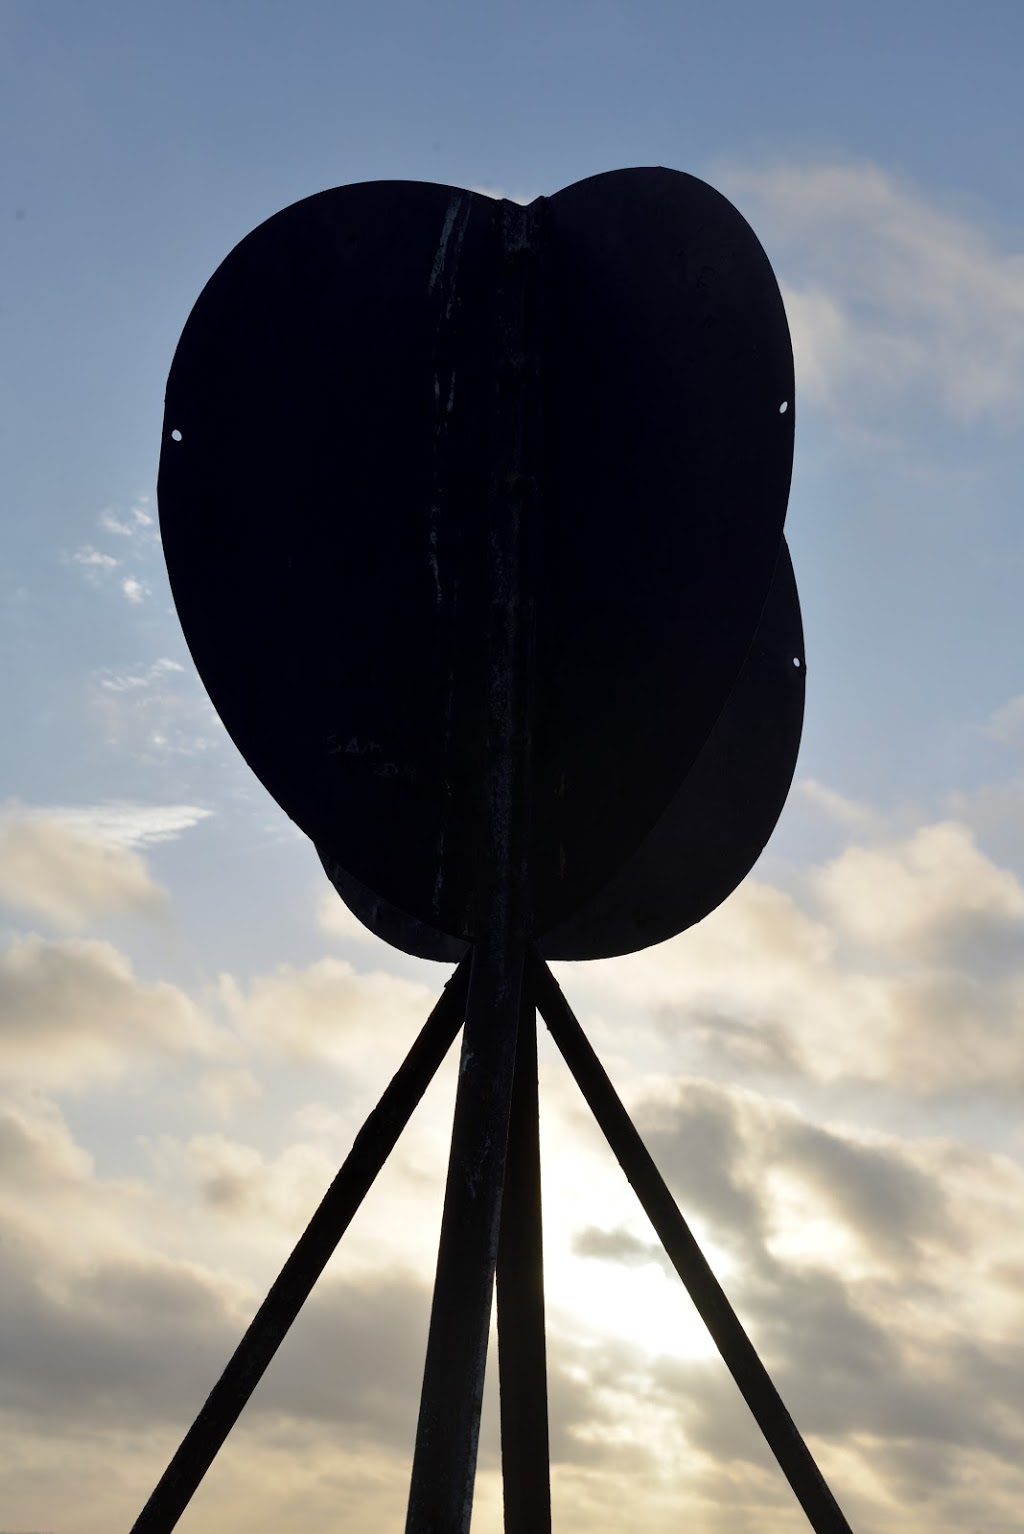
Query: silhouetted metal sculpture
x,y
473,515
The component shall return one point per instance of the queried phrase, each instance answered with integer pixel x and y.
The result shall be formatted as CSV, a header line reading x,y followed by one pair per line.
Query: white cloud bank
x,y
902,966
879,1272
889,294
73,1013
72,864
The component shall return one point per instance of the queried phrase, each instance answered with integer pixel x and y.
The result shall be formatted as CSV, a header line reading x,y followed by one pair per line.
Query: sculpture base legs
x,y
491,1224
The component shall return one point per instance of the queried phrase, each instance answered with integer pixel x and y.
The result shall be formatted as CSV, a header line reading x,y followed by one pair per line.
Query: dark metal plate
x,y
720,820
708,839
388,922
322,515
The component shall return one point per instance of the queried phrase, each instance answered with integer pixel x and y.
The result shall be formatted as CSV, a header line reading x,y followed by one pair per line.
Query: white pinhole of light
x,y
784,407
175,435
796,661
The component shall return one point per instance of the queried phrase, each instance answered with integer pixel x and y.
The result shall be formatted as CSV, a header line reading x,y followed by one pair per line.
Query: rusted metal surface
x,y
779,1429
290,1290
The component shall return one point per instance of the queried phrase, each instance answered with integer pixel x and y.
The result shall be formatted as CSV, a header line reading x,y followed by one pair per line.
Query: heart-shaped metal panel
x,y
328,456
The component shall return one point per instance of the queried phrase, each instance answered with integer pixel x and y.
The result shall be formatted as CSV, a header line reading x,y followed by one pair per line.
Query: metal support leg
x,y
372,1146
522,1366
778,1427
447,1434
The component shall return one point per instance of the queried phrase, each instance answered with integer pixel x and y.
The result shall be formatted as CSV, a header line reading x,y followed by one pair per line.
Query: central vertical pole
x,y
522,1361
447,1433
444,1463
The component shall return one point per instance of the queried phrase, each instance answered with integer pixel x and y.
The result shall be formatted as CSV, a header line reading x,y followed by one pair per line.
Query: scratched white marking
x,y
435,568
446,231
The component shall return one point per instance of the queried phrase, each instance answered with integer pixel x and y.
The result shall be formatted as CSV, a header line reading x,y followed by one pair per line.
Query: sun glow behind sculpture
x,y
636,1302
605,1274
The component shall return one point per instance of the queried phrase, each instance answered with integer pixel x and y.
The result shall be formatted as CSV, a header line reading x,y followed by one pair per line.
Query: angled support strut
x,y
373,1144
737,1350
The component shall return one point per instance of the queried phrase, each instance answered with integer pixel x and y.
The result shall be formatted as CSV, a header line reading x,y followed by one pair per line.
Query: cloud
x,y
110,1331
92,562
867,1265
845,812
900,965
996,812
236,1180
616,1246
850,1372
698,1141
1006,724
130,1344
71,864
922,894
120,1340
155,708
136,539
769,1180
378,1325
132,679
118,822
37,1150
889,294
328,1012
229,1088
129,525
335,920
73,1012
890,1204
884,1362
879,1274
757,944
69,877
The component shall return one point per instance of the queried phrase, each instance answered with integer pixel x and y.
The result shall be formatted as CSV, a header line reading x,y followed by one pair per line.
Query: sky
x,y
829,1070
